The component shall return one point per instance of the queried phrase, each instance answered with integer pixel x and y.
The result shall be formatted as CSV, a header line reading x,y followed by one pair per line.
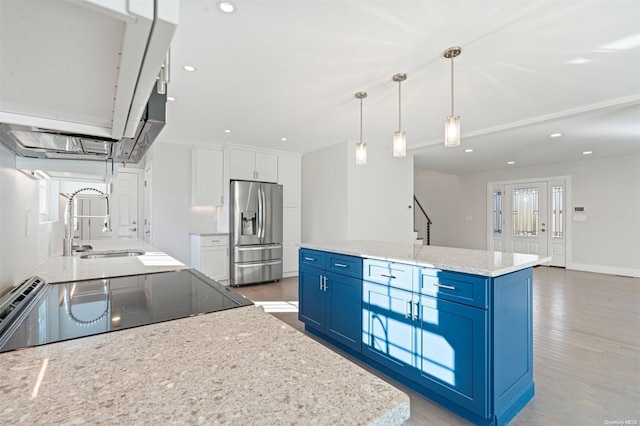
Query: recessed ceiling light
x,y
226,6
555,135
578,61
227,131
283,139
171,98
468,150
189,68
587,152
511,162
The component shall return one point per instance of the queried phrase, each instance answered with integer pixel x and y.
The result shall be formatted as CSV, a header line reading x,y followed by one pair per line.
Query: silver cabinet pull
x,y
320,282
407,308
310,259
448,287
415,314
325,283
388,276
340,265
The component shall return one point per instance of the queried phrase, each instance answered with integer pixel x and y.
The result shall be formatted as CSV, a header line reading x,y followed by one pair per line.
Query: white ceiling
x,y
290,68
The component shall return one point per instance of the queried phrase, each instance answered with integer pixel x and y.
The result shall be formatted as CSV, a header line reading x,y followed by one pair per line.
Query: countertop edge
x,y
491,273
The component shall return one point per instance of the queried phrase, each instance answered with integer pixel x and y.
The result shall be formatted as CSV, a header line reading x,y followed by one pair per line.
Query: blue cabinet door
x,y
451,353
387,327
344,310
311,296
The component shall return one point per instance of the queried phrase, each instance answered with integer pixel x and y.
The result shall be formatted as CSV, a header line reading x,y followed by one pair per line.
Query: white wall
x,y
343,201
20,254
380,196
609,189
324,194
172,216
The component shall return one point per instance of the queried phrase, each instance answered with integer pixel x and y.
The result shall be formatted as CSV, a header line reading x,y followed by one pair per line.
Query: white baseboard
x,y
289,274
602,269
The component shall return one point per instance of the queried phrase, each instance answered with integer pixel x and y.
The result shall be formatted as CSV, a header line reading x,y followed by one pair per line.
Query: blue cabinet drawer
x,y
396,275
312,258
350,266
457,287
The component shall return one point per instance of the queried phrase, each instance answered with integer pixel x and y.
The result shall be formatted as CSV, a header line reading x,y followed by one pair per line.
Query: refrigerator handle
x,y
260,214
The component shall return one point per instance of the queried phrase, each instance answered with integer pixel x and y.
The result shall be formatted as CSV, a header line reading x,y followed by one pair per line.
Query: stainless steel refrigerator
x,y
256,232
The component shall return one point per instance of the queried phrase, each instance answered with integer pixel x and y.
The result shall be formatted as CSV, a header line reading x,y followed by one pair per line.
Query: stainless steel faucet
x,y
67,243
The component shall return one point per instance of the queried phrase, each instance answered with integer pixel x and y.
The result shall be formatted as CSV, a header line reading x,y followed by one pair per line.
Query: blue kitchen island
x,y
453,324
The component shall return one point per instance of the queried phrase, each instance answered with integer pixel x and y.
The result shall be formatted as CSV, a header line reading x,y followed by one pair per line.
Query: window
x,y
497,212
525,212
557,207
48,200
43,200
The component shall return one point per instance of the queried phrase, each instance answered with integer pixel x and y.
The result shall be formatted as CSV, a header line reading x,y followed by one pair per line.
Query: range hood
x,y
69,95
35,142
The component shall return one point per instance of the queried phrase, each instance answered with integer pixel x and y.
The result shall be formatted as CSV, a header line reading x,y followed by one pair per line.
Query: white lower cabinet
x,y
210,255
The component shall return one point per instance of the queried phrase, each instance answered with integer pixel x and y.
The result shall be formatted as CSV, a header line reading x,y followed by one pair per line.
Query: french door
x,y
528,217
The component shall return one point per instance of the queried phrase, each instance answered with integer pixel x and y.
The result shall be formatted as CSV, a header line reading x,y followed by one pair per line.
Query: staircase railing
x,y
421,222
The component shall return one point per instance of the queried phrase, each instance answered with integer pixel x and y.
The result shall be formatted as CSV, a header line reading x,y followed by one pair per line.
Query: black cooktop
x,y
75,309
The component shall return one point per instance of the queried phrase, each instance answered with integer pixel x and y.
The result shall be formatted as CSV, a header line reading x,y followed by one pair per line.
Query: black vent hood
x,y
35,142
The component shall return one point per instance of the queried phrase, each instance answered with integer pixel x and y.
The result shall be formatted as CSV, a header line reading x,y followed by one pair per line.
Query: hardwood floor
x,y
586,350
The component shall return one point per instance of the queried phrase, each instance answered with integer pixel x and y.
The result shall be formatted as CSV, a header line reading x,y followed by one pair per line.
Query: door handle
x,y
414,315
134,229
407,308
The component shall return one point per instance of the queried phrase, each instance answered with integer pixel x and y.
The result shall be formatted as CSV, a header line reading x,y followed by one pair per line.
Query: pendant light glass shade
x,y
452,123
361,154
400,144
361,147
452,131
400,137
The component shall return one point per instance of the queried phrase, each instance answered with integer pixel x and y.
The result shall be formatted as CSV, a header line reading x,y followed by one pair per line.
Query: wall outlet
x,y
469,217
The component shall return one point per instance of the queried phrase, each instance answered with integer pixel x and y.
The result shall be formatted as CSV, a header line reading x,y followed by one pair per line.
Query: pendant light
x,y
452,123
399,137
361,147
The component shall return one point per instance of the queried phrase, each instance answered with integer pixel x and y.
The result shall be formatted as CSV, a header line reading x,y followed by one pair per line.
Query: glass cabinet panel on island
x,y
462,340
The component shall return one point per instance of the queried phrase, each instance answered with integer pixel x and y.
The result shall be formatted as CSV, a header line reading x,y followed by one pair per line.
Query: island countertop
x,y
57,268
478,262
239,366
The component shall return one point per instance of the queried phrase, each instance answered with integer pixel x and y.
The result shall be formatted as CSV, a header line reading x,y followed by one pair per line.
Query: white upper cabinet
x,y
289,176
252,165
86,66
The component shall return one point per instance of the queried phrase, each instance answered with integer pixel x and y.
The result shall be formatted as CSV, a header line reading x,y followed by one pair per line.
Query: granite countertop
x,y
58,268
479,262
237,367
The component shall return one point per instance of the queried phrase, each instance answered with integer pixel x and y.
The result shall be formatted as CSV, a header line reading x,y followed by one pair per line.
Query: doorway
x,y
125,205
529,217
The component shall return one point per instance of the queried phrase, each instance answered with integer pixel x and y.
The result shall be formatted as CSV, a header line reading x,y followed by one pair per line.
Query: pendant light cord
x,y
360,120
399,106
452,86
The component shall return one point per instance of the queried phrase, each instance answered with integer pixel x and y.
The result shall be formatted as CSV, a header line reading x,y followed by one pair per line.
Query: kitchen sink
x,y
112,253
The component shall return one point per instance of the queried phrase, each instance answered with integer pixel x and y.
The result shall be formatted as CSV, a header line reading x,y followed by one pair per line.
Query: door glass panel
x,y
497,212
525,212
557,218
